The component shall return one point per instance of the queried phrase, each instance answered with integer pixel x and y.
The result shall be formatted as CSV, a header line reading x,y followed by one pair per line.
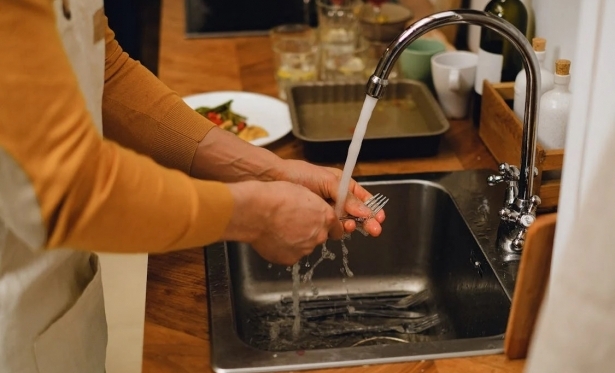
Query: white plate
x,y
265,111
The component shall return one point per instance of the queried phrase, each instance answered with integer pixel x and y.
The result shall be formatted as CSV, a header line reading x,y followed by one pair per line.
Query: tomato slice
x,y
215,117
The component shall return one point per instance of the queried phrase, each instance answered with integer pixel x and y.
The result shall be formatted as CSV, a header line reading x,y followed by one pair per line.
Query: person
x,y
98,155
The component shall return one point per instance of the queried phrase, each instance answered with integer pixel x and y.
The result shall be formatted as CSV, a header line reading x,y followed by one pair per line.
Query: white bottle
x,y
555,109
546,79
474,31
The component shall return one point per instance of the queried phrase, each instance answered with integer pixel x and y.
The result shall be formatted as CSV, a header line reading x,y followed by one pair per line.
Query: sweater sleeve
x,y
142,113
88,193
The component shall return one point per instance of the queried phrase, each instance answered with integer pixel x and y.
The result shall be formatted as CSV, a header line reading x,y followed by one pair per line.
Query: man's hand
x,y
282,221
324,181
262,186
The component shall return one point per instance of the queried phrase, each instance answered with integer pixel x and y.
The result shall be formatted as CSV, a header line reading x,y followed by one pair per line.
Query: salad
x,y
225,118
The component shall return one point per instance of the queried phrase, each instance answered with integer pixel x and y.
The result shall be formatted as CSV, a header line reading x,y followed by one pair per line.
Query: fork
x,y
375,203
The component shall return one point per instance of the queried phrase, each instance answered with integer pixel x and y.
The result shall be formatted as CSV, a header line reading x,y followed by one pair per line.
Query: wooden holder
x,y
502,132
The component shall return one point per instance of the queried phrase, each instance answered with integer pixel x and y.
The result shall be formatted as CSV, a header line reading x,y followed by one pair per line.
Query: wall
x,y
557,21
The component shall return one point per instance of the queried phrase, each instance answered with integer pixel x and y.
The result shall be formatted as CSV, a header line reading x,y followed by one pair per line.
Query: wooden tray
x,y
502,131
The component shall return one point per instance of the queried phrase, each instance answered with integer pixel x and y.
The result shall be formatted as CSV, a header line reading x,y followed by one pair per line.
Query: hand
x,y
324,181
282,221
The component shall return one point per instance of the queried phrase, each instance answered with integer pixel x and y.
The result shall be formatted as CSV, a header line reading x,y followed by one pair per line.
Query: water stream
x,y
353,152
351,160
296,314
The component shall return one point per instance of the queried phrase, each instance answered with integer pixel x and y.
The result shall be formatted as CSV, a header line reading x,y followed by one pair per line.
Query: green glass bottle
x,y
498,60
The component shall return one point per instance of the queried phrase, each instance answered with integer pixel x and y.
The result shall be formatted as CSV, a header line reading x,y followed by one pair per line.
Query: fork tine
x,y
376,201
375,204
370,199
379,207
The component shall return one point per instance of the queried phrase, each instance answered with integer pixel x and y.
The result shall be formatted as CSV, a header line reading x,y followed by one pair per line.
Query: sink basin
x,y
437,249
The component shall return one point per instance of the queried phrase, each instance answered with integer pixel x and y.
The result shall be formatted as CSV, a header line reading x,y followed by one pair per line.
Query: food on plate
x,y
250,133
225,118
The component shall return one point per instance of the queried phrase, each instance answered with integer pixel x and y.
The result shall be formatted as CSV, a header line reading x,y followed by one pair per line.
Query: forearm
x,y
223,156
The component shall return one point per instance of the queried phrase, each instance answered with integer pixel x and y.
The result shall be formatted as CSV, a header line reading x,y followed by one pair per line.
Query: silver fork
x,y
375,203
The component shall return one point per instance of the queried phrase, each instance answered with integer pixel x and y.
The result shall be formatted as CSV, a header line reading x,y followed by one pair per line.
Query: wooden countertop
x,y
176,324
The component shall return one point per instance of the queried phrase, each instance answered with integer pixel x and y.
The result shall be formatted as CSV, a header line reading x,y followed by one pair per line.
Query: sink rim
x,y
235,356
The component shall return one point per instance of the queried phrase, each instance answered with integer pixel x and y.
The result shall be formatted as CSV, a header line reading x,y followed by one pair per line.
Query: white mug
x,y
453,75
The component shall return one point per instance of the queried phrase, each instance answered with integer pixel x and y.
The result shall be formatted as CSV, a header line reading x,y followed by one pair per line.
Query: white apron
x,y
52,317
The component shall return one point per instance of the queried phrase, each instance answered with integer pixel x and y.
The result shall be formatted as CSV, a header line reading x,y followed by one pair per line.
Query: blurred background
x,y
136,24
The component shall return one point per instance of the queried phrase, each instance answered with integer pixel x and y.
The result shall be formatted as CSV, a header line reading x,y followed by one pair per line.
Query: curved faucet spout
x,y
523,203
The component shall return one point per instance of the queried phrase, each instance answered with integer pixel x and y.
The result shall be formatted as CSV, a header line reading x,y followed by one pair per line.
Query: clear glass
x,y
345,62
296,55
337,21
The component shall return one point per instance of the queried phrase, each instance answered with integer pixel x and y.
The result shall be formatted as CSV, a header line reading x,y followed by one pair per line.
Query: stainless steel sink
x,y
438,241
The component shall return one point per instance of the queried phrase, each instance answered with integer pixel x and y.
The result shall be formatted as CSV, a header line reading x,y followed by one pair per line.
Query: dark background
x,y
136,23
137,28
216,18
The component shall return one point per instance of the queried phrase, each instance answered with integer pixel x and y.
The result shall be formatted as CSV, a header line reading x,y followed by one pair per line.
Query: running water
x,y
296,313
353,152
351,161
345,260
324,254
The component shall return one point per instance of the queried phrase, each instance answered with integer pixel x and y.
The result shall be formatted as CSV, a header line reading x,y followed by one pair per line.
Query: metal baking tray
x,y
407,121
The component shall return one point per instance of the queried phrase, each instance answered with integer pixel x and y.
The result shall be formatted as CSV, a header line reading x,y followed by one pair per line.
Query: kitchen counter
x,y
176,323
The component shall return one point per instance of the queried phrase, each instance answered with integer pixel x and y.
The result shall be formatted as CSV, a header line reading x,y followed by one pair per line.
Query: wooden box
x,y
502,131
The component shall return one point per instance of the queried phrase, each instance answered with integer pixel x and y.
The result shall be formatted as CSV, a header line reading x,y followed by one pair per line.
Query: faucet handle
x,y
507,173
535,201
523,219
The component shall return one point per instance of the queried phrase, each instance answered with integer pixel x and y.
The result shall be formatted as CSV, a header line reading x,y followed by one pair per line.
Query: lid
x,y
539,44
562,67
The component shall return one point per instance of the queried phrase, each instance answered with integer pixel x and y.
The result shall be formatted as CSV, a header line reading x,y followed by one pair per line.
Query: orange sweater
x,y
94,194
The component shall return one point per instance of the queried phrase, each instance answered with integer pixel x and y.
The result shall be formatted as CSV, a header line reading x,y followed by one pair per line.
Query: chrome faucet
x,y
519,210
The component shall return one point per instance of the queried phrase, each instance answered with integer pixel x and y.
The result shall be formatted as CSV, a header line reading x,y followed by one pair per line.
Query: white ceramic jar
x,y
555,109
546,79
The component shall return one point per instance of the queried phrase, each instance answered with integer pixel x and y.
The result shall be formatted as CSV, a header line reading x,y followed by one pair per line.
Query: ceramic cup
x,y
453,76
415,60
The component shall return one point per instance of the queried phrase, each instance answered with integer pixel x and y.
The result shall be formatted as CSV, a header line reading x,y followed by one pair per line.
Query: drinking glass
x,y
345,63
296,54
338,30
337,21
